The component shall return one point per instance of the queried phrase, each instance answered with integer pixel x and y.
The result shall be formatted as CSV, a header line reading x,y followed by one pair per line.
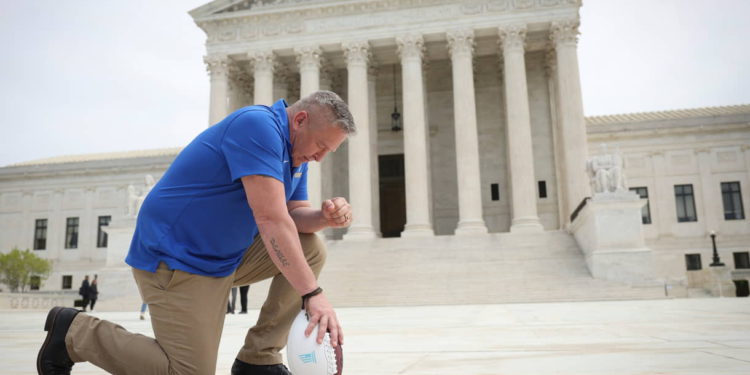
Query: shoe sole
x,y
51,317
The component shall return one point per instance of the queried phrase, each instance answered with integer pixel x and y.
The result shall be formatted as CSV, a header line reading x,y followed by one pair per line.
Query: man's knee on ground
x,y
313,247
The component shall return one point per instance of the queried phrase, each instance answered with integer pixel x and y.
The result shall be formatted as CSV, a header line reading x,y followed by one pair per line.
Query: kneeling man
x,y
231,210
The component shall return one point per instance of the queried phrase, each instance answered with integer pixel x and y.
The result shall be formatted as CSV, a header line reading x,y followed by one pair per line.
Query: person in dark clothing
x,y
93,293
243,298
84,291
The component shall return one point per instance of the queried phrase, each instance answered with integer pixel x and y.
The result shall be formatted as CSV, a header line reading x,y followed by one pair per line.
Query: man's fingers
x,y
322,328
337,336
311,325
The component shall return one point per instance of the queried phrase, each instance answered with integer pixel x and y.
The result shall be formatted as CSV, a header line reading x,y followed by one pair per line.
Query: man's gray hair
x,y
337,108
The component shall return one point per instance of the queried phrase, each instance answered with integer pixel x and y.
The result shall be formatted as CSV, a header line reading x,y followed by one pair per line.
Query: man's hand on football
x,y
320,313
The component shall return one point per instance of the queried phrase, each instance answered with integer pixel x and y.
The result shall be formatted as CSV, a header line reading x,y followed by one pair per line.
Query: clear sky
x,y
86,76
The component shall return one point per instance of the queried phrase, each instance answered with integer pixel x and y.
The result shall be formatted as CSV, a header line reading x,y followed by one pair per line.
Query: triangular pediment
x,y
223,7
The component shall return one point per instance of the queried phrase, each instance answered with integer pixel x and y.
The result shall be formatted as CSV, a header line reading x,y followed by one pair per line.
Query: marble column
x,y
564,36
418,222
218,70
549,69
520,152
263,68
461,47
372,78
309,60
360,188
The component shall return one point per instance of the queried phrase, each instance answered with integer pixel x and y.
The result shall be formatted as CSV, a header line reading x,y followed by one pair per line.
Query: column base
x,y
471,227
417,230
360,233
529,224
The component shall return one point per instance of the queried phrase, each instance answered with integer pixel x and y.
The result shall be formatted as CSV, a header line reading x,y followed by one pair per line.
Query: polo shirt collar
x,y
279,109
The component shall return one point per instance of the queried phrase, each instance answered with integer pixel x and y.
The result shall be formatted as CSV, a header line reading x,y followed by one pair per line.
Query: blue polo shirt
x,y
196,218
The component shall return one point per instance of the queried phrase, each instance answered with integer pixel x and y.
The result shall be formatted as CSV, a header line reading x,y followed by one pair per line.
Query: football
x,y
306,357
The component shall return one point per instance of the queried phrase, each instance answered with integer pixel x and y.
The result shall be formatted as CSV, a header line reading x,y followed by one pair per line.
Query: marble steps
x,y
444,270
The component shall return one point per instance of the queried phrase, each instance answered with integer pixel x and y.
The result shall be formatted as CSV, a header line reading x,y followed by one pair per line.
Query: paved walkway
x,y
683,336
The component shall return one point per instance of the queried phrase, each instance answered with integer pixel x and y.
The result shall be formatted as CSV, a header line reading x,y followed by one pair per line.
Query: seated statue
x,y
607,172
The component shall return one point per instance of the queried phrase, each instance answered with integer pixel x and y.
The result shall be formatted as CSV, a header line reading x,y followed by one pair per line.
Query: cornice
x,y
669,115
298,18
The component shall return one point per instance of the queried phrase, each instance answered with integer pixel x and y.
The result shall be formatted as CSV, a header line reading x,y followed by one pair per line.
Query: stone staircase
x,y
445,270
494,268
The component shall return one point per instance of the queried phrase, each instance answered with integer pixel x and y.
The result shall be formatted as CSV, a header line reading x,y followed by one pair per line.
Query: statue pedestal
x,y
118,291
119,234
609,231
720,282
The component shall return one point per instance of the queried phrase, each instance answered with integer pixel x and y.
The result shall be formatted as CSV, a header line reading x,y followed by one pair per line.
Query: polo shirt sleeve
x,y
254,145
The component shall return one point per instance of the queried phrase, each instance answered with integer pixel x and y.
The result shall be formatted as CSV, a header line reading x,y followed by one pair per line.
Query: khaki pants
x,y
187,315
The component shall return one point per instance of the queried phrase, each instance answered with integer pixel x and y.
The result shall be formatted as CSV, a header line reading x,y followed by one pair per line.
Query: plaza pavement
x,y
676,336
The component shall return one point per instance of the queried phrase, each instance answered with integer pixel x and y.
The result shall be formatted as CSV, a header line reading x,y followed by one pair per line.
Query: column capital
x,y
564,32
372,70
217,65
356,52
263,60
512,37
308,56
410,46
460,42
550,61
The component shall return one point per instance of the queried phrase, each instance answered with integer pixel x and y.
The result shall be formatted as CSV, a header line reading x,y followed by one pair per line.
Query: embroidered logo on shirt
x,y
298,175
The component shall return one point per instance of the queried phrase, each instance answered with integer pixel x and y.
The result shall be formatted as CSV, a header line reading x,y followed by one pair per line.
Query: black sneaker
x,y
242,368
53,358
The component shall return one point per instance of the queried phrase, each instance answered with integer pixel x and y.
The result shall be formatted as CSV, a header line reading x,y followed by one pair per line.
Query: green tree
x,y
17,268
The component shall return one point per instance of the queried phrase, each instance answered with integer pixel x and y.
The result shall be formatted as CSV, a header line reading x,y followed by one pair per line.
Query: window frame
x,y
72,225
683,197
646,209
693,256
102,239
733,195
40,234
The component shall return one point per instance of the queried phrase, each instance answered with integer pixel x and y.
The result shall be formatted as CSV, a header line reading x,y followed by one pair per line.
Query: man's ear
x,y
299,118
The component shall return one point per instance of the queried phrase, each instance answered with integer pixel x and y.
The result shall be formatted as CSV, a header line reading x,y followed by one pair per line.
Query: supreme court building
x,y
470,125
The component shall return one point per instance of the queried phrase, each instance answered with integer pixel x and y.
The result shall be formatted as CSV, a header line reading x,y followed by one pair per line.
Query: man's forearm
x,y
283,246
308,219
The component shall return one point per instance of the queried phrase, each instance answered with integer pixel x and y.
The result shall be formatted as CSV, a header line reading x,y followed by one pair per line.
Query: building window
x,y
646,210
495,191
101,236
683,195
542,189
693,262
40,234
742,260
71,233
35,282
732,197
67,281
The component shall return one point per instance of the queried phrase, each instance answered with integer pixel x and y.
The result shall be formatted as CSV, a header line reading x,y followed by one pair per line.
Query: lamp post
x,y
717,262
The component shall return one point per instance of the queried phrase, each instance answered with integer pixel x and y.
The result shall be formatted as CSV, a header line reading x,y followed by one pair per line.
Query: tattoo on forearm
x,y
279,255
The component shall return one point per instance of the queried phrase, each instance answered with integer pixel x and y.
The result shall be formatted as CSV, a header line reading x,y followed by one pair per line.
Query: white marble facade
x,y
489,93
